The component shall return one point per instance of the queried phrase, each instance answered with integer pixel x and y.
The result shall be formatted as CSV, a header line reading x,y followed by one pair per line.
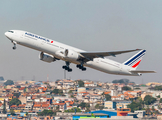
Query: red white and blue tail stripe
x,y
135,60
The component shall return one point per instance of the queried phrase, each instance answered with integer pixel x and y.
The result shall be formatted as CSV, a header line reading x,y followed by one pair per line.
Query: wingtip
x,y
138,49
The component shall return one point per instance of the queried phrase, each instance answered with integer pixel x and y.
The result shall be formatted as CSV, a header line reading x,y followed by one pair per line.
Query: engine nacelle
x,y
46,57
71,54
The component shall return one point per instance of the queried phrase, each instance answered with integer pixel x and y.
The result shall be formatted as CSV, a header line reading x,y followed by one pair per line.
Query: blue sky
x,y
93,25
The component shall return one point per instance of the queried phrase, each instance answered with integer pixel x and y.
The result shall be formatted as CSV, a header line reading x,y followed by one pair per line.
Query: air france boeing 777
x,y
52,51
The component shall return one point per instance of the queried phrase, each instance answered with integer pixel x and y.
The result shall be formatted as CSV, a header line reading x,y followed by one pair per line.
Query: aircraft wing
x,y
142,71
91,55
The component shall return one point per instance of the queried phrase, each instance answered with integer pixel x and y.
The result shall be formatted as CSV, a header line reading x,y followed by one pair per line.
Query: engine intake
x,y
46,57
71,54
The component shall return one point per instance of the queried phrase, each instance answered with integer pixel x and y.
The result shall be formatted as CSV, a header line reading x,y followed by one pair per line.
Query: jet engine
x,y
46,57
71,54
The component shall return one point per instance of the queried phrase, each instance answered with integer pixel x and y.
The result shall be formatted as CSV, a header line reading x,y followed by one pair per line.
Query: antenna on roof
x,y
47,78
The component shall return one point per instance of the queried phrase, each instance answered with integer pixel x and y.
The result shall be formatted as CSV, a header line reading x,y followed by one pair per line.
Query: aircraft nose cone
x,y
6,34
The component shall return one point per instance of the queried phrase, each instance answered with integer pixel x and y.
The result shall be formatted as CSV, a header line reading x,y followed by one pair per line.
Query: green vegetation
x,y
159,107
70,91
158,96
158,87
81,83
46,113
26,113
4,107
57,92
14,101
87,110
148,110
9,82
26,82
135,106
153,109
126,88
16,94
149,99
12,111
99,106
84,105
125,81
73,110
160,100
72,96
138,104
137,88
108,97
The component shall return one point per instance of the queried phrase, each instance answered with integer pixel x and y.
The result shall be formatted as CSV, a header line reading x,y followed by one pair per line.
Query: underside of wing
x,y
142,71
91,55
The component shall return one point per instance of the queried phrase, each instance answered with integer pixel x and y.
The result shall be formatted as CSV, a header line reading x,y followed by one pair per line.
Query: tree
x,y
153,109
81,83
73,110
83,105
108,97
148,110
12,111
9,82
14,101
99,106
26,113
87,110
160,100
159,107
126,88
72,96
137,88
125,81
135,106
46,113
70,92
4,107
16,94
57,91
158,87
158,96
26,82
149,99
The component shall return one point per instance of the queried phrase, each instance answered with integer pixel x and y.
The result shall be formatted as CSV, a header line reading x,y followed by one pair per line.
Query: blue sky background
x,y
91,25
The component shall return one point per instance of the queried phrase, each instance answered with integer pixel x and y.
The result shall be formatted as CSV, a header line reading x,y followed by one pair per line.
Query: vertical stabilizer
x,y
135,60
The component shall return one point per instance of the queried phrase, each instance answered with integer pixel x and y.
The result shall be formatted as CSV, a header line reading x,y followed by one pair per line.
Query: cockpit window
x,y
11,31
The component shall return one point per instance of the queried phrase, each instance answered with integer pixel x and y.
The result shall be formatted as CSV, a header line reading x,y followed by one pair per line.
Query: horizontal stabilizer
x,y
142,71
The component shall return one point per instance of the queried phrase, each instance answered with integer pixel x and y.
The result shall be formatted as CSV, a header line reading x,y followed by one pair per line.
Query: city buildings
x,y
66,96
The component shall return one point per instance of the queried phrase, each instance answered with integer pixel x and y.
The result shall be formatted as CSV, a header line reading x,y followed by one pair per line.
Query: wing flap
x,y
142,71
103,54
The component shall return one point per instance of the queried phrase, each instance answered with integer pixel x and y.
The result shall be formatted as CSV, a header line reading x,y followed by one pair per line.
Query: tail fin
x,y
135,60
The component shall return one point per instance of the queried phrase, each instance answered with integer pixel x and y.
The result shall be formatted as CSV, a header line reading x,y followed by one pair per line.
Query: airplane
x,y
51,51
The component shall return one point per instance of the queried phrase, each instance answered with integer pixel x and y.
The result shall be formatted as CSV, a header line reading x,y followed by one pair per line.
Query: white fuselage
x,y
57,50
